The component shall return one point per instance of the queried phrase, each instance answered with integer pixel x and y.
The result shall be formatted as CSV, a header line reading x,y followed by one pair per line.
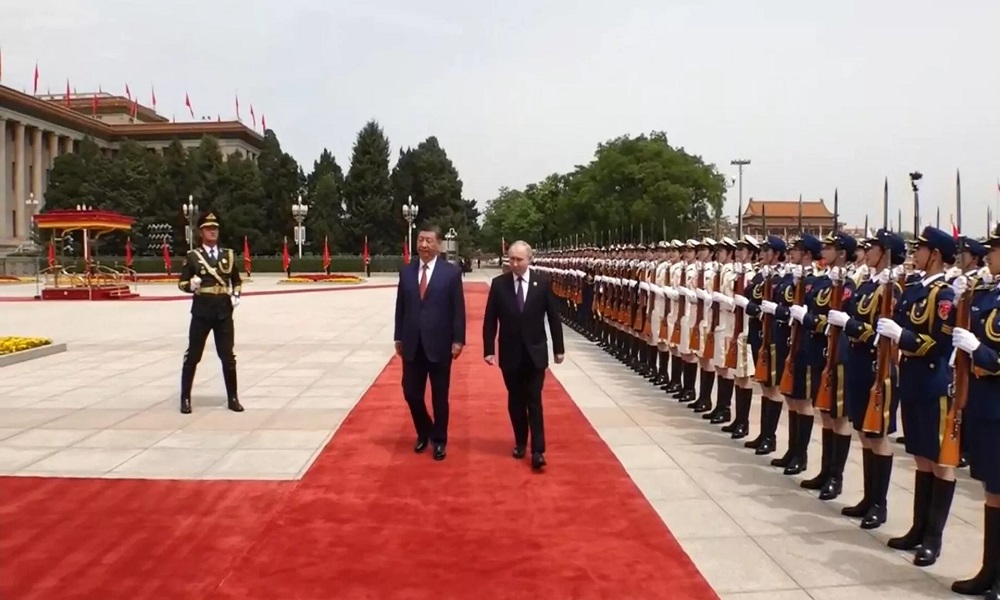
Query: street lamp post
x,y
410,211
740,163
449,243
914,178
191,214
299,211
32,205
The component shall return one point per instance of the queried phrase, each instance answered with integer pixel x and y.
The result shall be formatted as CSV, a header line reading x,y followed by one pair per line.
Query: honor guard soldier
x,y
771,348
873,417
829,290
980,417
682,253
211,276
703,324
721,328
740,361
688,343
922,328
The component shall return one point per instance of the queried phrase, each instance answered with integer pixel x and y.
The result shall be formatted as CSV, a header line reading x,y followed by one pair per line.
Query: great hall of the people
x,y
38,129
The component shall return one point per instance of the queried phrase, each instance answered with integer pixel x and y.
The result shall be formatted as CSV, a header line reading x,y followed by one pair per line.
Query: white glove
x,y
671,293
960,285
796,272
657,290
837,318
195,283
765,271
964,340
717,297
768,307
797,311
987,277
236,301
741,301
690,294
835,274
703,295
884,277
889,329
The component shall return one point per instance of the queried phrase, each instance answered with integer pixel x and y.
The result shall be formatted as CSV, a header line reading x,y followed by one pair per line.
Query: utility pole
x,y
740,163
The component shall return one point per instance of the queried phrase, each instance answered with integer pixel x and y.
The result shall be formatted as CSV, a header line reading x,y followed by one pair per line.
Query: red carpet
x,y
371,519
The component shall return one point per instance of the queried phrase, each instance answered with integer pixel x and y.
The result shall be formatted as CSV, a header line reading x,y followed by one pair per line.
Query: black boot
x,y
922,487
724,401
881,476
676,374
834,484
706,383
941,497
769,430
229,376
741,425
800,461
827,459
690,377
764,411
793,435
187,382
987,575
859,509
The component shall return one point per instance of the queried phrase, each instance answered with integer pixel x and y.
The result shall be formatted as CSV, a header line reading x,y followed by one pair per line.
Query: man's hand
x,y
399,348
195,283
490,360
456,350
559,358
236,301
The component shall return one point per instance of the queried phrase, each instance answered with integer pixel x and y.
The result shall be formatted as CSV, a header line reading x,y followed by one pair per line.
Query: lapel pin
x,y
534,283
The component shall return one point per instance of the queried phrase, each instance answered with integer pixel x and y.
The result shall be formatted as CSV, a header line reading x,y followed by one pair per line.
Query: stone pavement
x,y
108,408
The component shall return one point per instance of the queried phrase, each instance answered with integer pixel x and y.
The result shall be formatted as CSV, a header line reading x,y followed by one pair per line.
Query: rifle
x,y
647,309
824,399
667,306
695,341
788,377
731,351
876,413
762,370
710,337
675,338
959,389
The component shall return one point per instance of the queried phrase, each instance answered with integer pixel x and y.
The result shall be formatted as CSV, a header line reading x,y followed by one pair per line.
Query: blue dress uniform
x,y
981,422
862,310
836,448
806,365
925,313
770,412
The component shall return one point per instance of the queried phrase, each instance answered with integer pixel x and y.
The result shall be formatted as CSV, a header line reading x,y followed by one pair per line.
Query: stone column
x,y
69,145
19,171
53,148
38,172
4,184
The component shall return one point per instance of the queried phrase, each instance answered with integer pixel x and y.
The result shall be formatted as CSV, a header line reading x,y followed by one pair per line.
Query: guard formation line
x,y
854,330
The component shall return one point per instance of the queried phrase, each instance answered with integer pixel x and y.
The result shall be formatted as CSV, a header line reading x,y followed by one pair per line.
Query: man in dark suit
x,y
429,335
520,301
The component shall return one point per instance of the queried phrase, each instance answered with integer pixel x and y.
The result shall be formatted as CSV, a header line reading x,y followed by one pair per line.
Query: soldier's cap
x,y
727,242
775,243
706,243
842,241
676,244
937,239
893,243
690,244
208,220
809,243
973,247
663,245
994,238
640,246
749,241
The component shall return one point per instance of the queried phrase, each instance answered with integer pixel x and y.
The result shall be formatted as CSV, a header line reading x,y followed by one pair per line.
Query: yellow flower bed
x,y
324,280
12,344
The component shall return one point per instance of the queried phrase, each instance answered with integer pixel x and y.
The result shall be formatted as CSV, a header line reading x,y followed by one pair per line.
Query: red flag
x,y
364,251
36,78
167,262
128,92
153,96
238,108
253,117
128,252
955,233
66,99
246,256
187,103
326,255
263,124
52,252
286,259
406,251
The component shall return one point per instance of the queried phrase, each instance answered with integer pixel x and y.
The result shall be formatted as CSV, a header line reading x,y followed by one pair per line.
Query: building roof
x,y
787,209
71,117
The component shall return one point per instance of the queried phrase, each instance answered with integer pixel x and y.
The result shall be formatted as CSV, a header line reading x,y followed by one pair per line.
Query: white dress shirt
x,y
430,270
211,252
526,279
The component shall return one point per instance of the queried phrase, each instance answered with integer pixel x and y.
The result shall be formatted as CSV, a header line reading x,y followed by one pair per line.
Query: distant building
x,y
782,218
35,130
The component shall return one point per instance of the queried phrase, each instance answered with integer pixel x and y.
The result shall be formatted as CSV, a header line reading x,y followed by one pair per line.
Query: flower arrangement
x,y
321,278
10,279
12,344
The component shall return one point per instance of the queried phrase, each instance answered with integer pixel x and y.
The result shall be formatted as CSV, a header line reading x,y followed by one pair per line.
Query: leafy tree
x,y
367,194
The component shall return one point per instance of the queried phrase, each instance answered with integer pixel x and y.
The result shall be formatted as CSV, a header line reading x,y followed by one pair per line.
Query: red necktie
x,y
423,282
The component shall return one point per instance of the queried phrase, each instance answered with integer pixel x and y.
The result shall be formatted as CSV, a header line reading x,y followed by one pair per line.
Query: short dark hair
x,y
432,229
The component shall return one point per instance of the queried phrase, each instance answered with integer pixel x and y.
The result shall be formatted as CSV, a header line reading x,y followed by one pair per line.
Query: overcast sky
x,y
817,95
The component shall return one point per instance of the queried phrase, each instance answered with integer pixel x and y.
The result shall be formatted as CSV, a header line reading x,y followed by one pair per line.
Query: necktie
x,y
423,282
520,294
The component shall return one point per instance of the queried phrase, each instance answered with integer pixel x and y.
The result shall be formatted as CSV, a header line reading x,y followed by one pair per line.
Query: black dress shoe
x,y
537,461
518,452
186,406
722,417
420,446
235,406
439,452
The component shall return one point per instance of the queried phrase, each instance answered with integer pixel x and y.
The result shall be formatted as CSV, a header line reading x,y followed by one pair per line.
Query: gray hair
x,y
522,244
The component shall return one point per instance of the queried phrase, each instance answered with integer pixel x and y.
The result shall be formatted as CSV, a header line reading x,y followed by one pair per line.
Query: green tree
x,y
283,182
367,194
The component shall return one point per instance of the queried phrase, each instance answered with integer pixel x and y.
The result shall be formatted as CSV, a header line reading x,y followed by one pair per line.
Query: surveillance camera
x,y
916,176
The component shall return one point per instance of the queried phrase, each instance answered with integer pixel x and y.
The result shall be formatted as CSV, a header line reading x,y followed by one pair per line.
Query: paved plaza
x,y
108,408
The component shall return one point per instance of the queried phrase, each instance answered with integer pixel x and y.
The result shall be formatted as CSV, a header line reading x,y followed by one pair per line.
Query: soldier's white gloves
x,y
884,277
236,301
889,329
796,272
671,293
898,272
195,283
657,290
964,340
768,306
960,285
741,301
837,318
765,271
987,277
835,274
703,295
797,311
717,297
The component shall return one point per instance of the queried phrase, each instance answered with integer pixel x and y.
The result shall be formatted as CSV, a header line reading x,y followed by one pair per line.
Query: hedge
x,y
262,264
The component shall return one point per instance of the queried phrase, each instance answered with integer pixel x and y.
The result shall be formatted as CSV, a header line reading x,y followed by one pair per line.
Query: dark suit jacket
x,y
438,320
522,332
219,279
